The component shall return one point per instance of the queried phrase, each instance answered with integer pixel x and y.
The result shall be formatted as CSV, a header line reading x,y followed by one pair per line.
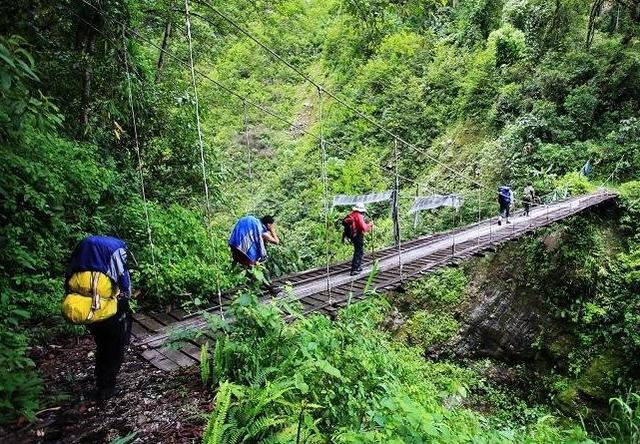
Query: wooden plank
x,y
164,364
138,330
203,339
321,298
306,305
330,310
151,354
346,291
162,318
191,350
307,302
178,314
148,323
182,359
339,291
360,284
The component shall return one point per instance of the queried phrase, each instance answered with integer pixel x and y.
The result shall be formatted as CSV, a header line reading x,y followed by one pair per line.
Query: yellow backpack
x,y
92,298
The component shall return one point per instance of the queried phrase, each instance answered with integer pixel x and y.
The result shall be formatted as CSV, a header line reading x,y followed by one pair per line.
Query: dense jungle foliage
x,y
485,91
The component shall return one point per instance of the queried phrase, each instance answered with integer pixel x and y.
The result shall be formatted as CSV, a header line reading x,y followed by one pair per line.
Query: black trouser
x,y
358,252
504,209
527,206
111,336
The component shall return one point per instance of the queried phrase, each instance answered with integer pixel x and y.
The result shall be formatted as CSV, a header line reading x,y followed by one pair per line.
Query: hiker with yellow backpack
x,y
98,289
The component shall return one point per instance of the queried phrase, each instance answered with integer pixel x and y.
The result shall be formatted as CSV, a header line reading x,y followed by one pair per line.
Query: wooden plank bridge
x,y
319,291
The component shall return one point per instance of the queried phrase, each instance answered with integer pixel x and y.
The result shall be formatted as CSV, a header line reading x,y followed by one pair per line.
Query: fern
x,y
215,429
262,425
232,432
205,366
260,378
220,360
271,394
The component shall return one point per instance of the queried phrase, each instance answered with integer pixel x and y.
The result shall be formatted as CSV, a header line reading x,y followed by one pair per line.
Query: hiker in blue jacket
x,y
505,200
248,237
106,255
247,243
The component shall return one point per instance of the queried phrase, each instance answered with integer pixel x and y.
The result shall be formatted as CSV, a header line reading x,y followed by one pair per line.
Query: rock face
x,y
501,325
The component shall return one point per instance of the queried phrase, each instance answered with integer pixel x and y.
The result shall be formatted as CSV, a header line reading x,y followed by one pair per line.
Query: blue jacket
x,y
246,237
105,254
505,194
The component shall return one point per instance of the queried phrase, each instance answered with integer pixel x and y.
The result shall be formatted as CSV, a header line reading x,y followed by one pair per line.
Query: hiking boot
x,y
104,393
272,289
508,222
499,221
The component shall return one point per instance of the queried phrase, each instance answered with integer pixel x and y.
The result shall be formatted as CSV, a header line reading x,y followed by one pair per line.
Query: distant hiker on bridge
x,y
354,229
528,197
98,289
505,200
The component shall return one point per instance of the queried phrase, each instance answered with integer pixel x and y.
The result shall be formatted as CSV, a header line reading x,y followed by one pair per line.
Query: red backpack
x,y
348,228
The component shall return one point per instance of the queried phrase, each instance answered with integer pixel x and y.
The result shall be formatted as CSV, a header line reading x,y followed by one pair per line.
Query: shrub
x,y
624,426
426,329
344,382
442,289
20,387
630,203
507,45
575,184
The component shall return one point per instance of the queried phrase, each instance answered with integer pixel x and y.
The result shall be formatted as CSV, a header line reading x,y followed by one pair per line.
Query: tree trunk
x,y
551,32
165,45
85,43
591,26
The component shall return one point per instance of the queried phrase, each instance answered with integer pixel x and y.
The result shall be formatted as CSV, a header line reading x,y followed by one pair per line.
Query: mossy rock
x,y
600,379
594,387
561,345
568,399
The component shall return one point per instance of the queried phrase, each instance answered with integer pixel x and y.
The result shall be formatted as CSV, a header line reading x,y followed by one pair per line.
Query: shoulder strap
x,y
95,304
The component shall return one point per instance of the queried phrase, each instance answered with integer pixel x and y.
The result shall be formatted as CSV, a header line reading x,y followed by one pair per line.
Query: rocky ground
x,y
151,406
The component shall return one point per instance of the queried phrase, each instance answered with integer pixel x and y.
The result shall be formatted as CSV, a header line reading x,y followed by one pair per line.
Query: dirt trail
x,y
159,407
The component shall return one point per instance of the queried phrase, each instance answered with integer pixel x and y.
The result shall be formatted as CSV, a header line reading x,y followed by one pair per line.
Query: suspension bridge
x,y
323,290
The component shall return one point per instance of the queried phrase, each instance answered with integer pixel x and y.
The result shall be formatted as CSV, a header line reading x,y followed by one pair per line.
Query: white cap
x,y
359,207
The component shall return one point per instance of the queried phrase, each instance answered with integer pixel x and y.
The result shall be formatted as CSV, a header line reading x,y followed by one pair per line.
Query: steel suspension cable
x,y
247,142
396,205
613,172
246,138
325,194
335,97
203,163
233,93
139,157
245,99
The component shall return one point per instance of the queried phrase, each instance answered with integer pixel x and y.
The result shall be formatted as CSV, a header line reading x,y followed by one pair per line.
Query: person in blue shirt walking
x,y
106,255
505,200
248,237
247,243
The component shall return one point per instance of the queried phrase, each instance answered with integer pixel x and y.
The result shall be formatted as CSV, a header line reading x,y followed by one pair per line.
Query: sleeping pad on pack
x,y
92,297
